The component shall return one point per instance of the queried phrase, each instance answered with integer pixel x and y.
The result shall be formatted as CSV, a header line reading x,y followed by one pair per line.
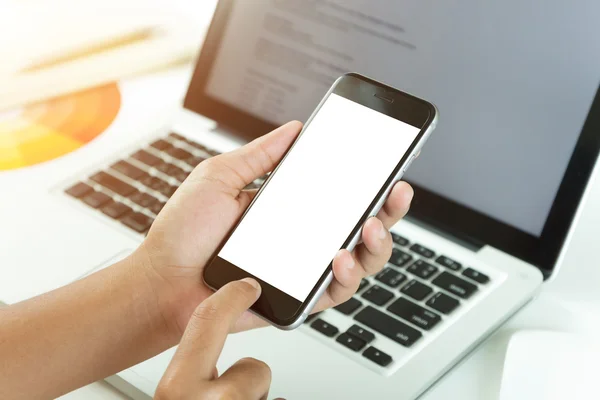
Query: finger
x,y
246,379
368,258
256,158
376,247
208,327
248,321
397,204
347,275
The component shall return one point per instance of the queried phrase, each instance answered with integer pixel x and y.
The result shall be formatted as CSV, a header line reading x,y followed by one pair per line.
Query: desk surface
x,y
95,391
479,375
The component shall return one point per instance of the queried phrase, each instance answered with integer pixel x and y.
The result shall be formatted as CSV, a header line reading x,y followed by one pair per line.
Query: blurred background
x,y
92,43
53,49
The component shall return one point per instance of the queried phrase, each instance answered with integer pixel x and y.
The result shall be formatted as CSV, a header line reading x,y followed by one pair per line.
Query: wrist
x,y
172,295
159,295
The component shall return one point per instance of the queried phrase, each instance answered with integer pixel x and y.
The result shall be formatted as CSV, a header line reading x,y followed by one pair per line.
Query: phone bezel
x,y
276,306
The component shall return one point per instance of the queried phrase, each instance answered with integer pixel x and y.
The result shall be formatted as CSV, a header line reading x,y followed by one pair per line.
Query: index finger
x,y
209,326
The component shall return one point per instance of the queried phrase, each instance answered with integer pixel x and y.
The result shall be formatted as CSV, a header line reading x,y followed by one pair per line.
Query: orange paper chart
x,y
47,130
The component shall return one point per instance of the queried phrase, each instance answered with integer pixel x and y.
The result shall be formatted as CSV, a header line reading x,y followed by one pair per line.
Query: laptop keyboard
x,y
413,295
134,190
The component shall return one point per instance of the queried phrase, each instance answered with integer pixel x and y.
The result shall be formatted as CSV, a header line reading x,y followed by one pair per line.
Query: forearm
x,y
80,333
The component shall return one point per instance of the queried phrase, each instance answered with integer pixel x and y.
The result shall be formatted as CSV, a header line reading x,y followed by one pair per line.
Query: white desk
x,y
95,391
479,375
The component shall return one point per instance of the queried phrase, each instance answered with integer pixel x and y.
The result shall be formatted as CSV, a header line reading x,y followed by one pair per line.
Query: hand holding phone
x,y
197,219
362,137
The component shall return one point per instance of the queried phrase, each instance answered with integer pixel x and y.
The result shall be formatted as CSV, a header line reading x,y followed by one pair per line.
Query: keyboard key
x,y
388,326
128,170
363,284
476,276
350,342
203,148
455,285
165,167
422,269
399,240
178,153
448,263
137,221
96,199
422,250
144,178
146,158
181,176
390,277
195,145
443,303
161,145
142,199
156,206
399,258
154,182
411,312
324,327
378,295
377,356
166,189
416,290
115,209
194,161
79,190
361,333
113,184
349,306
177,137
175,171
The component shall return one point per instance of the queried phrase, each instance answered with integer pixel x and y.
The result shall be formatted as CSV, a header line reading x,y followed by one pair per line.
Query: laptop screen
x,y
513,80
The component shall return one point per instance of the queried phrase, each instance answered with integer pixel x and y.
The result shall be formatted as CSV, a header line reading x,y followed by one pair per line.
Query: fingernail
x,y
408,196
347,264
351,263
252,283
382,231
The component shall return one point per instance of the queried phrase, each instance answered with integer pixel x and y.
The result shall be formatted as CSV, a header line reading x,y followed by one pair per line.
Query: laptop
x,y
497,188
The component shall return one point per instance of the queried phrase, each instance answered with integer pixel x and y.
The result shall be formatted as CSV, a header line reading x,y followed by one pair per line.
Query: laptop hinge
x,y
470,244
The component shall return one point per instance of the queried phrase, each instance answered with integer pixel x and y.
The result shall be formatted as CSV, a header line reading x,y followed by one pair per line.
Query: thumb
x,y
208,328
258,157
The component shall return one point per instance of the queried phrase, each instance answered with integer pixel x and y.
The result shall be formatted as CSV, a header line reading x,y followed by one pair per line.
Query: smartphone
x,y
338,172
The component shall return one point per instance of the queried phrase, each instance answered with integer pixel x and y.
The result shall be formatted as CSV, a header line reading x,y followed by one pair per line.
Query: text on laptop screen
x,y
501,73
294,229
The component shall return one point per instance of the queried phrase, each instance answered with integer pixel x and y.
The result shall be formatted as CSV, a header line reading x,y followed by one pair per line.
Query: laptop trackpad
x,y
48,243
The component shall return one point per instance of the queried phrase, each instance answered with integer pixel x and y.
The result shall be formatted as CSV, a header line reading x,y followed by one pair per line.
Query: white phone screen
x,y
319,193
